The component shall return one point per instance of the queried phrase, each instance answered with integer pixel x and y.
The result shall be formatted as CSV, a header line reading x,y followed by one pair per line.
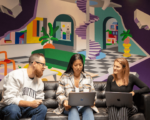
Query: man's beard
x,y
38,73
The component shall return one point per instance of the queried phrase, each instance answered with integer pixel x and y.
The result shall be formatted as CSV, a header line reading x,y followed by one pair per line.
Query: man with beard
x,y
23,92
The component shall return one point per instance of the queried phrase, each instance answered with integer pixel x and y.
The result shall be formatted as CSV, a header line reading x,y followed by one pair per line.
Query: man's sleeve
x,y
11,89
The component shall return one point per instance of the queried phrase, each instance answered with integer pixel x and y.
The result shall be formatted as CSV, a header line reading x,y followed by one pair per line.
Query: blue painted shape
x,y
17,35
7,37
64,37
101,55
91,2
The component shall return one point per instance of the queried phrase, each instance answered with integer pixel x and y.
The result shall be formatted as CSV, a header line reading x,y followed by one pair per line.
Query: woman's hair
x,y
72,59
125,70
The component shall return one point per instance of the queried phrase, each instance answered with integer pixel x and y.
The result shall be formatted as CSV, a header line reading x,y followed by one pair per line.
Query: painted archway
x,y
63,18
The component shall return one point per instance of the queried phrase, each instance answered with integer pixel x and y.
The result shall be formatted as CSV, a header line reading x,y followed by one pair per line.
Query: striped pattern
x,y
95,50
122,113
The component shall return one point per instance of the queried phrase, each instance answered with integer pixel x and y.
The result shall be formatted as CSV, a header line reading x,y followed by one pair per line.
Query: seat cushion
x,y
138,116
102,115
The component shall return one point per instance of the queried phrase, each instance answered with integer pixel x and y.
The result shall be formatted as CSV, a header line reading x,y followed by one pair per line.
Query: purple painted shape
x,y
143,69
25,24
1,76
8,70
146,27
103,78
136,20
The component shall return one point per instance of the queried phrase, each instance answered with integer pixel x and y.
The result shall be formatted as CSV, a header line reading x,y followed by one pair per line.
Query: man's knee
x,y
12,110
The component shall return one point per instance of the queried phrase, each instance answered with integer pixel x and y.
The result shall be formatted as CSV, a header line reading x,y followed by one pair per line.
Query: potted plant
x,y
46,39
126,43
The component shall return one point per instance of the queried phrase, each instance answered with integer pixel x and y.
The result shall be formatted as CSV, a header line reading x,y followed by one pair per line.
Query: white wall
x,y
19,50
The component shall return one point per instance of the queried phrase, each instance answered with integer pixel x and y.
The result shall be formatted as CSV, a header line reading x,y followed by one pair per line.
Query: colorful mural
x,y
108,37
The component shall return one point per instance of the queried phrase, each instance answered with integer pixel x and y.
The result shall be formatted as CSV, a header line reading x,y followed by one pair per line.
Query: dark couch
x,y
50,87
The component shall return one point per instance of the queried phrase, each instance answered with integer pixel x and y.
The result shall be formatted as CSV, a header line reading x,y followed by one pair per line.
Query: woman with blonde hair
x,y
122,81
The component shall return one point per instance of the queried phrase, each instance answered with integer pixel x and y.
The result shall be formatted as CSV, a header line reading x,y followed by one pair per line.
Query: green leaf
x,y
54,39
43,37
44,41
50,29
124,37
129,35
44,31
56,28
19,66
122,34
128,31
23,31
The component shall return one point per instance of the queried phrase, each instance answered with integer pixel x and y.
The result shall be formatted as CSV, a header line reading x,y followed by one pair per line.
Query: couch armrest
x,y
0,95
143,103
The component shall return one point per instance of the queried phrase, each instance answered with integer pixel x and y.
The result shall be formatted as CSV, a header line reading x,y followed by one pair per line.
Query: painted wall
x,y
50,9
111,13
141,36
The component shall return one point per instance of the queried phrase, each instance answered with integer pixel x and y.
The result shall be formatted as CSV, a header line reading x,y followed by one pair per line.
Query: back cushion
x,y
100,91
50,88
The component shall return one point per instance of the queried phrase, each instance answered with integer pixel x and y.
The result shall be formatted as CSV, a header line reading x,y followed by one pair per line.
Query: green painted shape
x,y
56,58
65,18
100,36
58,32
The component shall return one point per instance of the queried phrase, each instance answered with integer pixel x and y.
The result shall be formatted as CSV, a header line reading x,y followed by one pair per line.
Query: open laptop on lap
x,y
119,99
81,98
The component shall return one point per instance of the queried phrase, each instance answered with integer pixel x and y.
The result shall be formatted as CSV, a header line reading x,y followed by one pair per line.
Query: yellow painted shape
x,y
30,38
44,79
26,66
109,40
38,18
63,25
59,73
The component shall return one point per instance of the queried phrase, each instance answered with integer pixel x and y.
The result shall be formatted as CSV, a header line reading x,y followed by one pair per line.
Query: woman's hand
x,y
132,93
93,104
67,107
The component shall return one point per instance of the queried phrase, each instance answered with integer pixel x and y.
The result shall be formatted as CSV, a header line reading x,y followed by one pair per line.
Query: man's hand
x,y
35,103
67,107
132,93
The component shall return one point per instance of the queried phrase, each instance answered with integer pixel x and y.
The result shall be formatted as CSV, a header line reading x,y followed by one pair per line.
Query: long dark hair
x,y
72,59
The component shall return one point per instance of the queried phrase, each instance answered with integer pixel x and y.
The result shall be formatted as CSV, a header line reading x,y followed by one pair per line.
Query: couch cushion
x,y
98,116
100,91
138,116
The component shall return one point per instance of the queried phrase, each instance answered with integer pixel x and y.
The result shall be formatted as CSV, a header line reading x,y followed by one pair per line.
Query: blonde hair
x,y
125,70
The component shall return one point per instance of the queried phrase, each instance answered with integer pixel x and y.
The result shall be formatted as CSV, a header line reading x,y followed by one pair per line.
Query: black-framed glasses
x,y
40,63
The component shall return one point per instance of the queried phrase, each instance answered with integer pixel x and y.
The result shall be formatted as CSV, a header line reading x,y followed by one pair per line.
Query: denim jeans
x,y
14,112
73,113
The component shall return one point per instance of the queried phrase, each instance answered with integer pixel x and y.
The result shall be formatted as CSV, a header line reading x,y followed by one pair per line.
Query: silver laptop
x,y
119,99
81,98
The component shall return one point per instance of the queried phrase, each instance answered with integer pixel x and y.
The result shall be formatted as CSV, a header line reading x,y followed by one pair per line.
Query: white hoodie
x,y
18,86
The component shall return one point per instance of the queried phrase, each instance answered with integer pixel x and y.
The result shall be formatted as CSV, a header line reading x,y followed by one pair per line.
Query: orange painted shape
x,y
34,28
49,46
6,61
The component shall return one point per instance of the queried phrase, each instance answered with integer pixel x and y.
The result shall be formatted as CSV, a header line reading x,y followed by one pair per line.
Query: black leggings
x,y
122,113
